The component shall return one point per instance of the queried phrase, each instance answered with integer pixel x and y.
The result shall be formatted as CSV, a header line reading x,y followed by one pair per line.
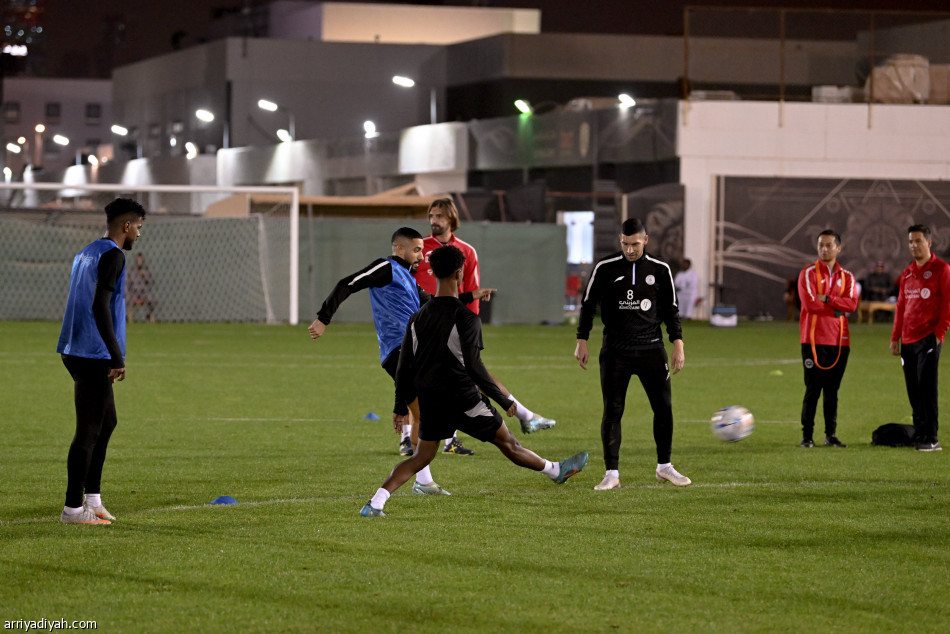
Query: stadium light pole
x,y
523,106
12,148
408,82
120,130
270,106
38,131
206,116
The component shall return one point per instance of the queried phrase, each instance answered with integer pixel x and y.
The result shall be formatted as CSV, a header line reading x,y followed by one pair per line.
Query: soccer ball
x,y
732,423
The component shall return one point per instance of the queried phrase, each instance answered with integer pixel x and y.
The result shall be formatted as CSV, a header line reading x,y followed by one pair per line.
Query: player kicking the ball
x,y
440,373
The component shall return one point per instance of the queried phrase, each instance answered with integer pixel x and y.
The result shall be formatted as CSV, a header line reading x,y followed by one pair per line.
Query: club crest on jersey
x,y
650,280
924,293
645,304
927,274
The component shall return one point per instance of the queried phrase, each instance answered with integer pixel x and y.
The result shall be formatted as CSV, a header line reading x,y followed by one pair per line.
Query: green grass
x,y
769,538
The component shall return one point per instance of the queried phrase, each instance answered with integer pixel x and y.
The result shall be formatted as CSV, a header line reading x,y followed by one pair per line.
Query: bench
x,y
871,307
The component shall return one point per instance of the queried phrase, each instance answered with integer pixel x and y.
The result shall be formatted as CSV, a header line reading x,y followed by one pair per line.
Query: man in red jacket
x,y
828,294
920,325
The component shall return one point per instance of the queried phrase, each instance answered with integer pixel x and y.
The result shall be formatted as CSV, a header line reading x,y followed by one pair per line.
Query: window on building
x,y
177,127
11,112
154,131
93,113
53,111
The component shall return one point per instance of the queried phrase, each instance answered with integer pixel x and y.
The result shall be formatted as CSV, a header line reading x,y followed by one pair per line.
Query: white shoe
x,y
99,511
672,476
609,482
537,424
85,517
428,489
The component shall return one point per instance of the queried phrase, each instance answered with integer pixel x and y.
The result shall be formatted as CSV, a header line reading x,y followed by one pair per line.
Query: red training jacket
x,y
470,280
923,303
843,299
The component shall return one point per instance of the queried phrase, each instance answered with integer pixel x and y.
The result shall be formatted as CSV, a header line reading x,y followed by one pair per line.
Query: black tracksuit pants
x,y
652,368
920,360
818,381
95,421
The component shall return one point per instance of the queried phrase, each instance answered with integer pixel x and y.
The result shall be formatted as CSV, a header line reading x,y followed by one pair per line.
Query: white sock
x,y
68,510
406,432
551,469
93,499
448,441
524,414
612,473
423,476
660,467
379,500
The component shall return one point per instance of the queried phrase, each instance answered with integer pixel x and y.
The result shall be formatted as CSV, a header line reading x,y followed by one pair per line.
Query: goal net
x,y
239,266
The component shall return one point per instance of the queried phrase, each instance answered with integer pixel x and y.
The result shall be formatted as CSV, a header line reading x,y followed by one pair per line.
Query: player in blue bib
x,y
92,345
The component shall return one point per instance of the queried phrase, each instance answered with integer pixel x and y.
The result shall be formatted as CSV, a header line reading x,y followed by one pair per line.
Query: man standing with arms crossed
x,y
920,325
444,221
636,295
828,294
92,345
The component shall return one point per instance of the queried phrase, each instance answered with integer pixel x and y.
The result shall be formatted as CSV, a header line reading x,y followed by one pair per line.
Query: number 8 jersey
x,y
634,299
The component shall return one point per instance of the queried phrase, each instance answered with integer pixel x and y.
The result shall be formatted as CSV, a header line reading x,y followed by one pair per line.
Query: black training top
x,y
441,353
110,267
634,298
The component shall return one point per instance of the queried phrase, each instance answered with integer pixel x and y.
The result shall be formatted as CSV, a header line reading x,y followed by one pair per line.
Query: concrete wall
x,y
149,97
301,162
129,174
408,24
650,59
930,39
331,89
800,140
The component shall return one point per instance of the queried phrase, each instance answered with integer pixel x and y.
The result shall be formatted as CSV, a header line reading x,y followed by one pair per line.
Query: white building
x,y
76,110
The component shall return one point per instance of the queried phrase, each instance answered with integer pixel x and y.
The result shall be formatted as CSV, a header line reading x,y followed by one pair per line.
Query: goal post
x,y
40,223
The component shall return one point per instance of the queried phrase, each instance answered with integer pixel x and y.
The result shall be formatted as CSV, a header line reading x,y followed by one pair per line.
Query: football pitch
x,y
769,538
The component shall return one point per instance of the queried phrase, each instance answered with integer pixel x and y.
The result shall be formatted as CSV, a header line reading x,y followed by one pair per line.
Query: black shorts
x,y
440,417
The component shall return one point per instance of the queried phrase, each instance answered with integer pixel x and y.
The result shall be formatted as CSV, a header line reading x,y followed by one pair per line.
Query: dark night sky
x,y
84,38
